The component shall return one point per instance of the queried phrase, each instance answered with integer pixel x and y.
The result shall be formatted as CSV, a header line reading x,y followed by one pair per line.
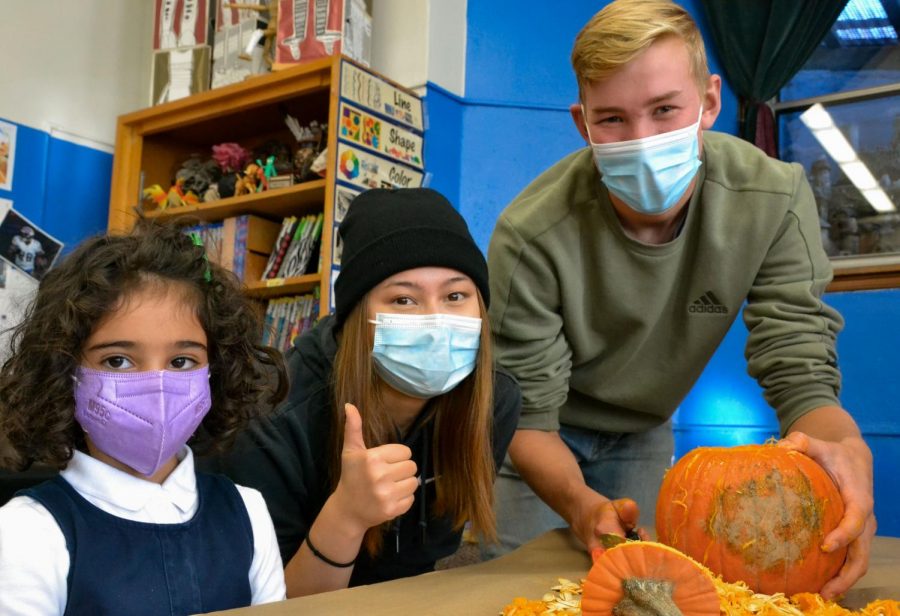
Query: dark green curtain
x,y
762,44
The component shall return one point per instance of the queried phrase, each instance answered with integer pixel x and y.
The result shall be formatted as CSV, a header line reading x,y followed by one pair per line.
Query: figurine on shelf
x,y
231,158
268,170
279,165
249,182
280,150
310,142
262,180
179,197
157,196
198,174
212,193
319,165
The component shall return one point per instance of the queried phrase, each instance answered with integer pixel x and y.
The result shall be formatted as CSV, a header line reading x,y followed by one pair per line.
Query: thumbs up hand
x,y
376,484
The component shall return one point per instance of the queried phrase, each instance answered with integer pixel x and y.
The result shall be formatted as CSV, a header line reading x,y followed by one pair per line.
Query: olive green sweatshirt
x,y
607,333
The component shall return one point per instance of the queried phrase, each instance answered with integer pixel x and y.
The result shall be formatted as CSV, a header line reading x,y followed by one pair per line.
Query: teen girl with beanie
x,y
396,420
132,343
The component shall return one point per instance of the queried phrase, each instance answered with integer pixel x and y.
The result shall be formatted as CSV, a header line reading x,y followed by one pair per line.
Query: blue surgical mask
x,y
425,355
650,174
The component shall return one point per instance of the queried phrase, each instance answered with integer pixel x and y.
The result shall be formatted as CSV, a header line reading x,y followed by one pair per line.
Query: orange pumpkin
x,y
755,513
649,576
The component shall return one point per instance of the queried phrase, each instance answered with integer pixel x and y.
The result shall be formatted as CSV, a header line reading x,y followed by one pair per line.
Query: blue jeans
x,y
615,465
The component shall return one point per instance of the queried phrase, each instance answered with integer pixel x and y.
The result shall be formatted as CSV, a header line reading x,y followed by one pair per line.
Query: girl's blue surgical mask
x,y
424,356
650,174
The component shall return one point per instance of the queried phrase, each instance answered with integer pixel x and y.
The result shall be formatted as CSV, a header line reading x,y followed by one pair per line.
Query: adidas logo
x,y
707,303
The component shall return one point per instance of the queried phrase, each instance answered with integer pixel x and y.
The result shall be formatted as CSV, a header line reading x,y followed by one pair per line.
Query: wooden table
x,y
484,589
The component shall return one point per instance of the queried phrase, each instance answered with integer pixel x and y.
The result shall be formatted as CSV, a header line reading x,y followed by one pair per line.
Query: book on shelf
x,y
295,247
211,234
280,247
287,318
297,259
239,243
246,241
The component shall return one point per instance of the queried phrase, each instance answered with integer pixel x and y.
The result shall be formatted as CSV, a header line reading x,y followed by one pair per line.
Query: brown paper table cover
x,y
483,589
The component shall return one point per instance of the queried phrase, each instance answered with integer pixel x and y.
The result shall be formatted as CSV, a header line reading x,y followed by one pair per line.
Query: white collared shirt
x,y
34,561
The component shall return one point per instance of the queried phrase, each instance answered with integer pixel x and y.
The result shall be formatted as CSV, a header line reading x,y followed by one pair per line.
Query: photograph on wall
x,y
7,154
26,246
16,292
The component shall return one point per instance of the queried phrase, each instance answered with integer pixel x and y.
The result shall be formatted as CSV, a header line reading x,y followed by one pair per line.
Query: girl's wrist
x,y
342,519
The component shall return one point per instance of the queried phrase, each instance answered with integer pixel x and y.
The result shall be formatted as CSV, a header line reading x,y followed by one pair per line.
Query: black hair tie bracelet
x,y
324,558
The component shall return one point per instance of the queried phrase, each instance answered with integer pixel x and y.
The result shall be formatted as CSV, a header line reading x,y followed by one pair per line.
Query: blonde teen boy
x,y
616,274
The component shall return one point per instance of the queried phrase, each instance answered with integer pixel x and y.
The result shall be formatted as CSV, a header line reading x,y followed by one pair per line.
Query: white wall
x,y
447,29
82,63
78,64
415,41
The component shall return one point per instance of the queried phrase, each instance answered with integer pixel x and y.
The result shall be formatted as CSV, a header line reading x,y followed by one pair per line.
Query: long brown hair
x,y
462,431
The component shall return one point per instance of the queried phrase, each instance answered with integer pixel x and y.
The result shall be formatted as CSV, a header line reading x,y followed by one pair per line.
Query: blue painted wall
x,y
443,154
513,123
60,186
726,406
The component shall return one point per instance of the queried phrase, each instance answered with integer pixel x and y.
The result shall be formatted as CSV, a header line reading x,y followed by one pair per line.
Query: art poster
x,y
7,154
366,170
180,23
370,131
236,29
335,271
310,29
343,196
178,73
375,93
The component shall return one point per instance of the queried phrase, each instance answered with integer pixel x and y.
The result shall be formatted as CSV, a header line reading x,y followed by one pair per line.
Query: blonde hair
x,y
624,29
462,432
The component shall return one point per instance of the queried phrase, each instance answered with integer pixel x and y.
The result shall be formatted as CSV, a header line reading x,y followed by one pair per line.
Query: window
x,y
840,118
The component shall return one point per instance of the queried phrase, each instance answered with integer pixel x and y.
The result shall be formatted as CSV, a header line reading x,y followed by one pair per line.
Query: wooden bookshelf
x,y
276,287
152,143
305,198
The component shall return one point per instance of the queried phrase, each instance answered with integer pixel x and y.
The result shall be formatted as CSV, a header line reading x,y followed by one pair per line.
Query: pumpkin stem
x,y
646,597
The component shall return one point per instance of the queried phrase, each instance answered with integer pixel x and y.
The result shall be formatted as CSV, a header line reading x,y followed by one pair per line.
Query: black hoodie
x,y
287,459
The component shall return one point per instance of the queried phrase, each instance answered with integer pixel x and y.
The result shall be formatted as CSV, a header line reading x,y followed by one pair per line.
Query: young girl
x,y
396,420
132,343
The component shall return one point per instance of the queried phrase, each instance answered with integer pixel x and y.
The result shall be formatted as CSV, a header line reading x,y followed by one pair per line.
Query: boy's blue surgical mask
x,y
424,356
652,173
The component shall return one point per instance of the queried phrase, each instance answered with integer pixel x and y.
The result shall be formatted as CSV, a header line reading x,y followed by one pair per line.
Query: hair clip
x,y
198,241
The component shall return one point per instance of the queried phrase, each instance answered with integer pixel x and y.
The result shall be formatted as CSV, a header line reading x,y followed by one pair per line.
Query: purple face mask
x,y
141,419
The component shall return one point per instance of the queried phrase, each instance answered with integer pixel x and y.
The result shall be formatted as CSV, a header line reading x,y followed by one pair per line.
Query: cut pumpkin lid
x,y
651,574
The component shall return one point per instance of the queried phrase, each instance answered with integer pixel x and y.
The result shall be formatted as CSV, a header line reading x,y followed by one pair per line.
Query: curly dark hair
x,y
36,382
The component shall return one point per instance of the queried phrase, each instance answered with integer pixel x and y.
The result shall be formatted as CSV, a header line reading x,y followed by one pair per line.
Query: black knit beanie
x,y
387,231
